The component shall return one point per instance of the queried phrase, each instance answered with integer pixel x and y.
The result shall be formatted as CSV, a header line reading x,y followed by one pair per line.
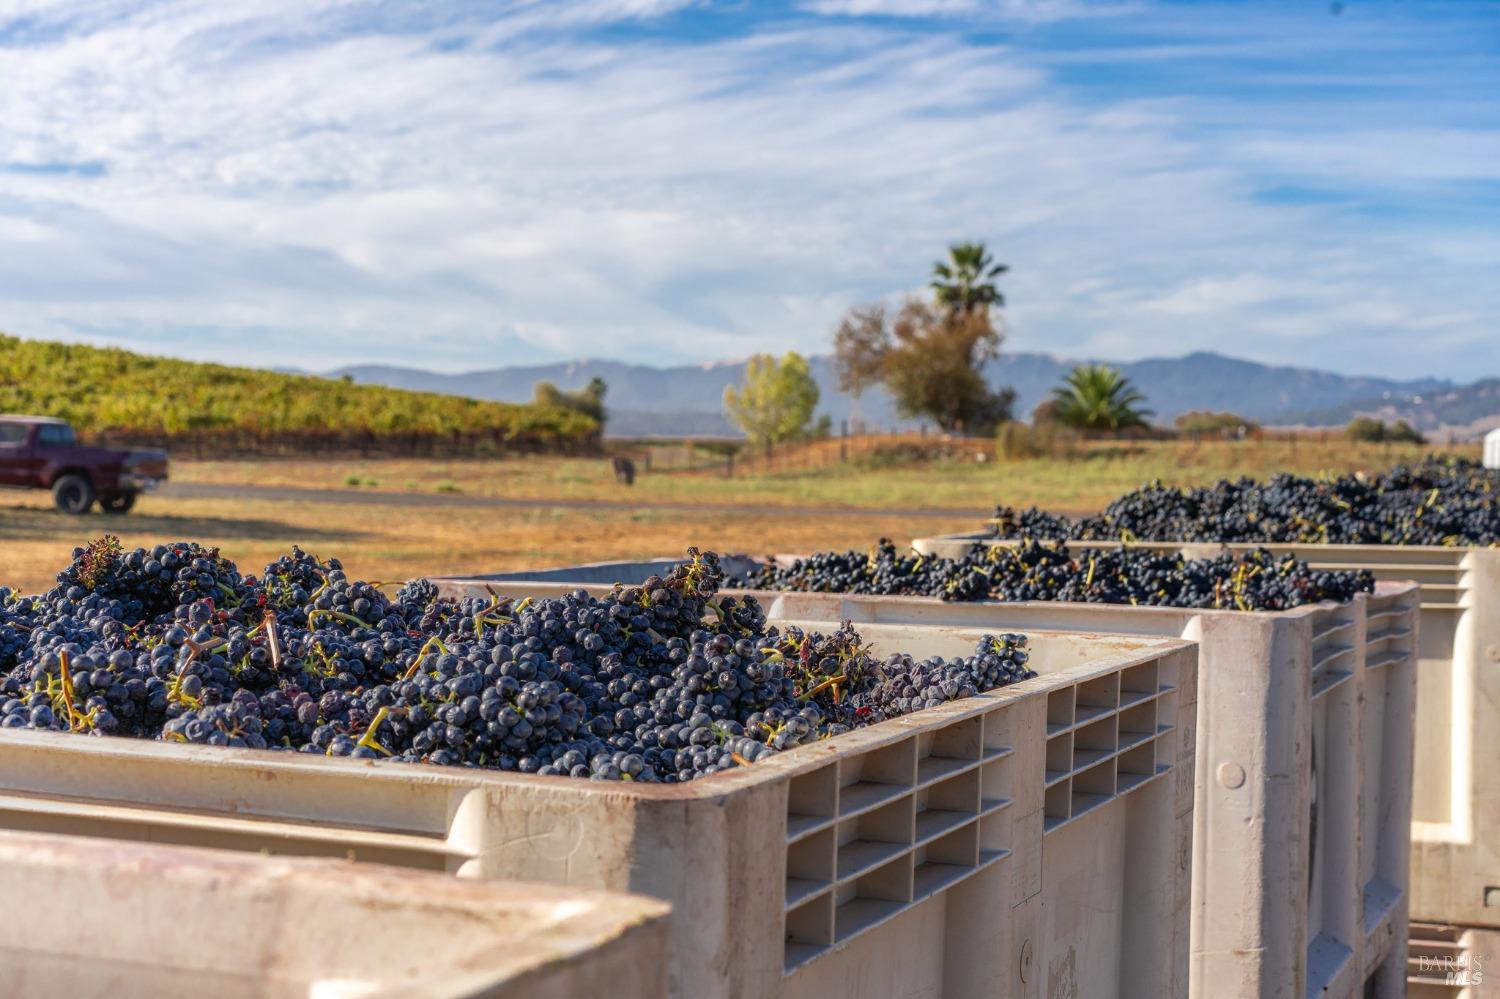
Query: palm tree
x,y
966,280
1097,397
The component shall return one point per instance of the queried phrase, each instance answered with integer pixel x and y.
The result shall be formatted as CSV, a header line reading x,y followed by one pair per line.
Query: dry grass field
x,y
396,541
1104,470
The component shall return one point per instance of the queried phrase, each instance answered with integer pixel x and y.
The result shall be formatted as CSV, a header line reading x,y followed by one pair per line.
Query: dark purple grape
x,y
668,681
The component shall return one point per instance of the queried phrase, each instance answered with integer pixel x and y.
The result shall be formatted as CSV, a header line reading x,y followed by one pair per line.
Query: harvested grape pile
x,y
1435,503
665,682
1032,570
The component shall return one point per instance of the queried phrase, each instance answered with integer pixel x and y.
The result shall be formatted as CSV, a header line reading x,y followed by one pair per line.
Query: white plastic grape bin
x,y
92,917
1455,861
1304,768
1031,841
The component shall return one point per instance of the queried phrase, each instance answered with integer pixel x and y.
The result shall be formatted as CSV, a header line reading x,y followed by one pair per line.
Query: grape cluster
x,y
17,618
851,688
1439,502
667,681
1034,570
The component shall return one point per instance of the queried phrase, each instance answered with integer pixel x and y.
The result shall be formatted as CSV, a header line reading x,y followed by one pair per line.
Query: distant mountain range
x,y
1465,412
687,399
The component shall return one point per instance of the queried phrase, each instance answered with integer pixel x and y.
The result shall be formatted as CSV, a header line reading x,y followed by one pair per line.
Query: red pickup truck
x,y
39,452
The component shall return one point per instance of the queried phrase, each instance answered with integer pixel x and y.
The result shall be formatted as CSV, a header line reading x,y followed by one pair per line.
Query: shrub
x,y
1015,441
1402,432
1364,428
1370,430
1208,422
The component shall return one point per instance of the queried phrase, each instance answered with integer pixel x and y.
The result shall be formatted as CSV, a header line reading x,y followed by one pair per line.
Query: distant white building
x,y
1492,449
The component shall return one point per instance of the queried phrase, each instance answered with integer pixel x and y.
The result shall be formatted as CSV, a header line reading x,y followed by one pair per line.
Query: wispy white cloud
x,y
1017,10
306,181
1401,153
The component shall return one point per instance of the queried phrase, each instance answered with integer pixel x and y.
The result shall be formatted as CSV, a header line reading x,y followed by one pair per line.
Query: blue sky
x,y
470,184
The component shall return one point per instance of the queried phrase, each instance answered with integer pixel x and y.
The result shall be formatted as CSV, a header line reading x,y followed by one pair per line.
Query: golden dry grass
x,y
390,542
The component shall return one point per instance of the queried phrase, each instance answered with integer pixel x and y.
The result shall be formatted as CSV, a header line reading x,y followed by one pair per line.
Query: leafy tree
x,y
860,346
965,282
776,400
930,359
588,400
1097,397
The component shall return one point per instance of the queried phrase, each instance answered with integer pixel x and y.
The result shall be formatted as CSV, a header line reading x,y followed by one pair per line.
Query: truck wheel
x,y
117,502
73,494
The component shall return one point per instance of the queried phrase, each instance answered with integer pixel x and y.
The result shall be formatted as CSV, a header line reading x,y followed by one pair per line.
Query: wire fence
x,y
732,458
729,457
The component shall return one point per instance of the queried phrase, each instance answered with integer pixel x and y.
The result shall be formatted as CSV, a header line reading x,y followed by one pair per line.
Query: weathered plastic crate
x,y
90,917
1305,733
1455,865
1030,839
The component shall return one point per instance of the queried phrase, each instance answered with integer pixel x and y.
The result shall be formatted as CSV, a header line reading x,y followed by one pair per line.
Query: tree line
x,y
930,355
